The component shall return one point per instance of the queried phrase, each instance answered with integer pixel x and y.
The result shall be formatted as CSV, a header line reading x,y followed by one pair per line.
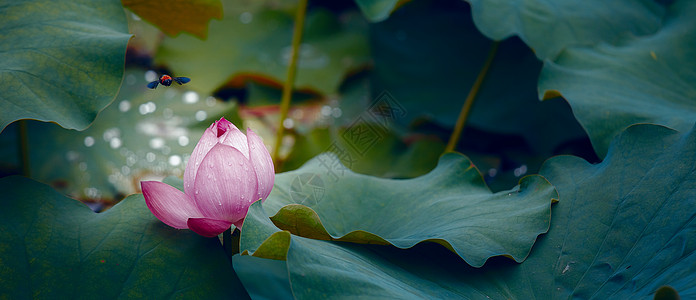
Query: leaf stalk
x,y
23,137
230,241
469,102
290,78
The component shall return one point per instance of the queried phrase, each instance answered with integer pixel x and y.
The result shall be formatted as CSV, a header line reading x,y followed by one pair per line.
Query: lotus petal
x,y
225,185
208,227
169,204
263,165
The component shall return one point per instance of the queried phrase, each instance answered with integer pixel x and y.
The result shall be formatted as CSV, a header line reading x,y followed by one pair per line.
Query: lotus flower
x,y
226,172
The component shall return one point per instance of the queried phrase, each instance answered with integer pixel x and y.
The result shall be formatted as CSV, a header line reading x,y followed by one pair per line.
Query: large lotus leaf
x,y
143,134
621,230
257,230
60,61
549,26
623,227
429,54
175,16
648,79
263,278
55,247
254,43
325,200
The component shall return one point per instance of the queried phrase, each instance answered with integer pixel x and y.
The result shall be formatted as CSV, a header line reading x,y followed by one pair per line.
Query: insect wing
x,y
153,84
182,80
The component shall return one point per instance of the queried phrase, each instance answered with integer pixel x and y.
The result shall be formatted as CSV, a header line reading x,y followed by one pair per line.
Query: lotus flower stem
x,y
230,241
227,243
290,78
466,108
23,147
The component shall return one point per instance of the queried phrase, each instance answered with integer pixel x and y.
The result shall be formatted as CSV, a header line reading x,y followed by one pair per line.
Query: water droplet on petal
x,y
229,163
196,193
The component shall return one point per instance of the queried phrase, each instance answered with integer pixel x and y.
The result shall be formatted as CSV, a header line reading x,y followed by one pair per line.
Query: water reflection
x,y
151,76
183,141
190,97
124,106
201,115
175,160
89,141
150,157
246,17
115,143
521,170
288,123
144,135
156,143
147,108
210,101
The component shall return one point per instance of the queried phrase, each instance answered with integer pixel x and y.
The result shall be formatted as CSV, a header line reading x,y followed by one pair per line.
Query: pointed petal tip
x,y
169,204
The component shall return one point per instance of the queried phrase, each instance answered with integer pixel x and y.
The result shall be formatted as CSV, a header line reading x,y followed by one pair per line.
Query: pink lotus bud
x,y
226,172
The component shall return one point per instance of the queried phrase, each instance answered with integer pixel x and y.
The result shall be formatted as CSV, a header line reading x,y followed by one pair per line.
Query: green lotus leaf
x,y
60,61
54,247
337,204
623,229
644,79
263,278
549,26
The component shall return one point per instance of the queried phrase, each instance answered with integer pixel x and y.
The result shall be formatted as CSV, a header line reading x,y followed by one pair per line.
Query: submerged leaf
x,y
175,16
254,44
